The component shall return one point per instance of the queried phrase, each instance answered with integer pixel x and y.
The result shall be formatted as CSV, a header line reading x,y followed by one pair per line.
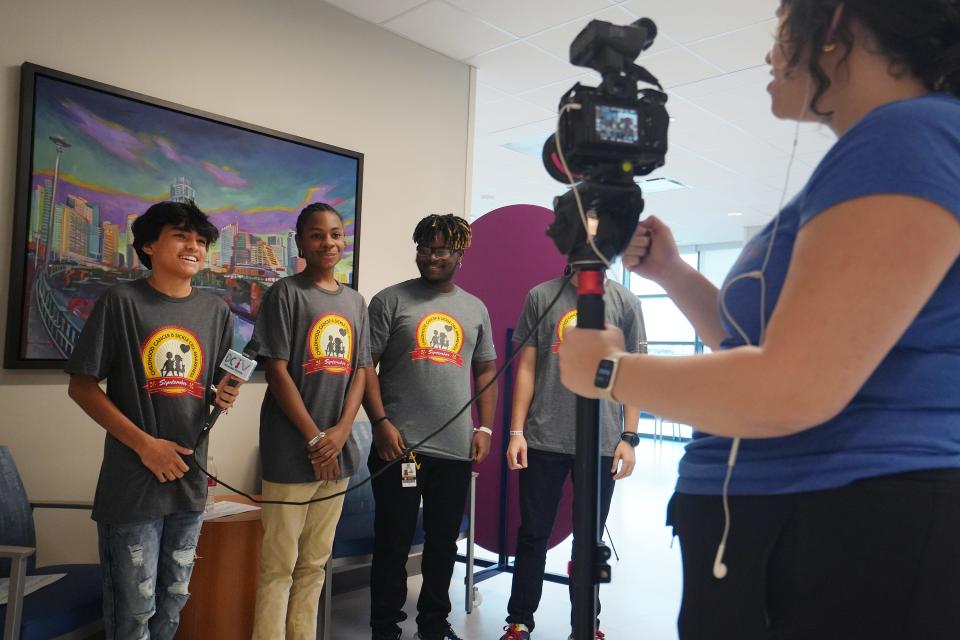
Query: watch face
x,y
632,439
604,371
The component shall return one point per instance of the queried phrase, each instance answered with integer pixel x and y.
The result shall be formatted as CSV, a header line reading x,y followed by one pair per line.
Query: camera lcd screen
x,y
616,124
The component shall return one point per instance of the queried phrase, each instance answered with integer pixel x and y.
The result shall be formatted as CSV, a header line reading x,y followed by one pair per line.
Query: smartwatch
x,y
606,376
630,437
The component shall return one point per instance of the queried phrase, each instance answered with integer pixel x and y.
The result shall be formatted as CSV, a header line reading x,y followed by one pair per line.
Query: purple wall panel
x,y
509,256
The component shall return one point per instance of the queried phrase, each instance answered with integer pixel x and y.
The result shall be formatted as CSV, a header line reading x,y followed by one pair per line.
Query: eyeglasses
x,y
440,252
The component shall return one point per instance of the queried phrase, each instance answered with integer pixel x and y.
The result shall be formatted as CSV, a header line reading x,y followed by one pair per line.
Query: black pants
x,y
541,486
878,559
443,485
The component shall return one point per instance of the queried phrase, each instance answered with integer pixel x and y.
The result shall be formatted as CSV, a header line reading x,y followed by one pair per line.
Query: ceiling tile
x,y
519,66
509,113
498,156
740,49
746,155
375,11
678,67
753,77
448,30
486,93
526,17
524,132
691,20
746,102
748,108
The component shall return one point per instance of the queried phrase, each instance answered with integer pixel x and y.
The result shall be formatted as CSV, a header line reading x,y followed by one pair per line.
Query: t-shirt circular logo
x,y
567,321
329,345
440,340
173,362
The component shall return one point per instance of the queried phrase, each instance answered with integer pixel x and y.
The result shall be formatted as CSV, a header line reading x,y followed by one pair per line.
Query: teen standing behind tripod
x,y
544,417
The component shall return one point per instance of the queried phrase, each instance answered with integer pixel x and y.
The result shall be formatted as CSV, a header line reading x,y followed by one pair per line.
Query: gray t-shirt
x,y
159,356
552,417
324,337
428,342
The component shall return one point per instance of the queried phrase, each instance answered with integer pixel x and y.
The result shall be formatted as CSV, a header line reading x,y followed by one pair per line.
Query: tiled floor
x,y
640,604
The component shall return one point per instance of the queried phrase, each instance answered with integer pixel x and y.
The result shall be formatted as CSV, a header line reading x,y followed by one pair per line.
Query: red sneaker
x,y
516,632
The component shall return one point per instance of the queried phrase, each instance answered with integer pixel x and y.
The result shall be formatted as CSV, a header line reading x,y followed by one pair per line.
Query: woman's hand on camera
x,y
652,252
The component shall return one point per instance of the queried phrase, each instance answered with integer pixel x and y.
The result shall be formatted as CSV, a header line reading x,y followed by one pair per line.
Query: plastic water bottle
x,y
211,481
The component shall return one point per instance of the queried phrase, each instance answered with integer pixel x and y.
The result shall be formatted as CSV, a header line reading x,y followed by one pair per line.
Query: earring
x,y
827,48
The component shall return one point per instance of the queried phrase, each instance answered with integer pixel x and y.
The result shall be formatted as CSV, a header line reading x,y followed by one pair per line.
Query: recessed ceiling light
x,y
487,196
530,146
735,214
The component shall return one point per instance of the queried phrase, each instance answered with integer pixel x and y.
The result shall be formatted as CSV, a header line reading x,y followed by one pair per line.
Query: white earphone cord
x,y
572,106
719,568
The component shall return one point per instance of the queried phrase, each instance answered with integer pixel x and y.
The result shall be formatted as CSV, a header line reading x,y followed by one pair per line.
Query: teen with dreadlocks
x,y
430,339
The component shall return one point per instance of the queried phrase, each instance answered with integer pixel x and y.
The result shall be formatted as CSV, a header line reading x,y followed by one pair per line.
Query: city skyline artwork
x,y
100,156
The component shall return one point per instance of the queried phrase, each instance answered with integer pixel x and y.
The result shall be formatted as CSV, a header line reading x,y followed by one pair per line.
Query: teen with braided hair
x,y
431,340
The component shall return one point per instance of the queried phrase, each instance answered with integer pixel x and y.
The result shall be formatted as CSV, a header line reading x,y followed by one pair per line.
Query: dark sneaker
x,y
516,632
600,635
446,634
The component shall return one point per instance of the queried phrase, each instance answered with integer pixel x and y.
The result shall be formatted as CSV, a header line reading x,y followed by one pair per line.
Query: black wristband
x,y
379,420
630,437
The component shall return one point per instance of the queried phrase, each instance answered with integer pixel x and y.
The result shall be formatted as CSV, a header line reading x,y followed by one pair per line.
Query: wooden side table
x,y
223,588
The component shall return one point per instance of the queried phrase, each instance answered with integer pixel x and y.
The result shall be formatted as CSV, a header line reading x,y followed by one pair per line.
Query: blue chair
x,y
71,607
353,542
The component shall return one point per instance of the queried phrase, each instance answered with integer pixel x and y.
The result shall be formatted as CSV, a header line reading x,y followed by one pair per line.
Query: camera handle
x,y
589,567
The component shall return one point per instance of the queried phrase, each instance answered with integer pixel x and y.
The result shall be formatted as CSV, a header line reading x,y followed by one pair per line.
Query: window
x,y
668,330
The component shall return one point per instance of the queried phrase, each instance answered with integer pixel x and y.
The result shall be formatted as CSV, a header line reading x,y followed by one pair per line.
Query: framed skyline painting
x,y
93,157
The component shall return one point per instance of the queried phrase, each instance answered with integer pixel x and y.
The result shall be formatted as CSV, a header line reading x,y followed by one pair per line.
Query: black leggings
x,y
877,559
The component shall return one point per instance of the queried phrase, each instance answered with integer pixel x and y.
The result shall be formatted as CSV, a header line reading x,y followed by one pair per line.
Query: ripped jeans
x,y
146,572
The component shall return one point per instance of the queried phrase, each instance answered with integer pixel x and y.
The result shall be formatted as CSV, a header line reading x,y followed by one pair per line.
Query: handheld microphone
x,y
241,365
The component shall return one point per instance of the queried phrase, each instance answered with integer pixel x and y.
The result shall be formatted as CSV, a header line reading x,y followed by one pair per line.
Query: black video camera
x,y
606,135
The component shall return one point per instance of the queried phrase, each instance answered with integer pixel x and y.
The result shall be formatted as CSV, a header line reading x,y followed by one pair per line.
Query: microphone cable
x,y
203,435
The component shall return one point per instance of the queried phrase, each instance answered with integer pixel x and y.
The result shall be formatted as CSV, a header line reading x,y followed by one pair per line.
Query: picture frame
x,y
91,157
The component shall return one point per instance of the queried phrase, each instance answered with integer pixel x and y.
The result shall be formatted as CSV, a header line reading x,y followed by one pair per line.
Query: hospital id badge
x,y
408,474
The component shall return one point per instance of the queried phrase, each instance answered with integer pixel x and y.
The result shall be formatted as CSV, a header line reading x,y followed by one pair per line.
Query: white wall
x,y
298,66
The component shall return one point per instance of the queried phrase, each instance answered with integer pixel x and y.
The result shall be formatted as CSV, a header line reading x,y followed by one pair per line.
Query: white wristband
x,y
517,433
486,430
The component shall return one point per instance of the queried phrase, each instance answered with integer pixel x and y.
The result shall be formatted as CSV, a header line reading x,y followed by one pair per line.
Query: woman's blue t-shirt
x,y
906,417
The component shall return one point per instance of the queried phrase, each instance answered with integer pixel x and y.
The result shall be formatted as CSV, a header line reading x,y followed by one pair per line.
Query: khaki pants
x,y
296,546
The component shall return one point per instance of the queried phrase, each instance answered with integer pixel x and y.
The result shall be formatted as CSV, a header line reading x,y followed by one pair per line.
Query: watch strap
x,y
606,392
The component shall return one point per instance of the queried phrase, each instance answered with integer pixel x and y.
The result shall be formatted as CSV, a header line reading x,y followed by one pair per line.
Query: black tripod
x,y
590,566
